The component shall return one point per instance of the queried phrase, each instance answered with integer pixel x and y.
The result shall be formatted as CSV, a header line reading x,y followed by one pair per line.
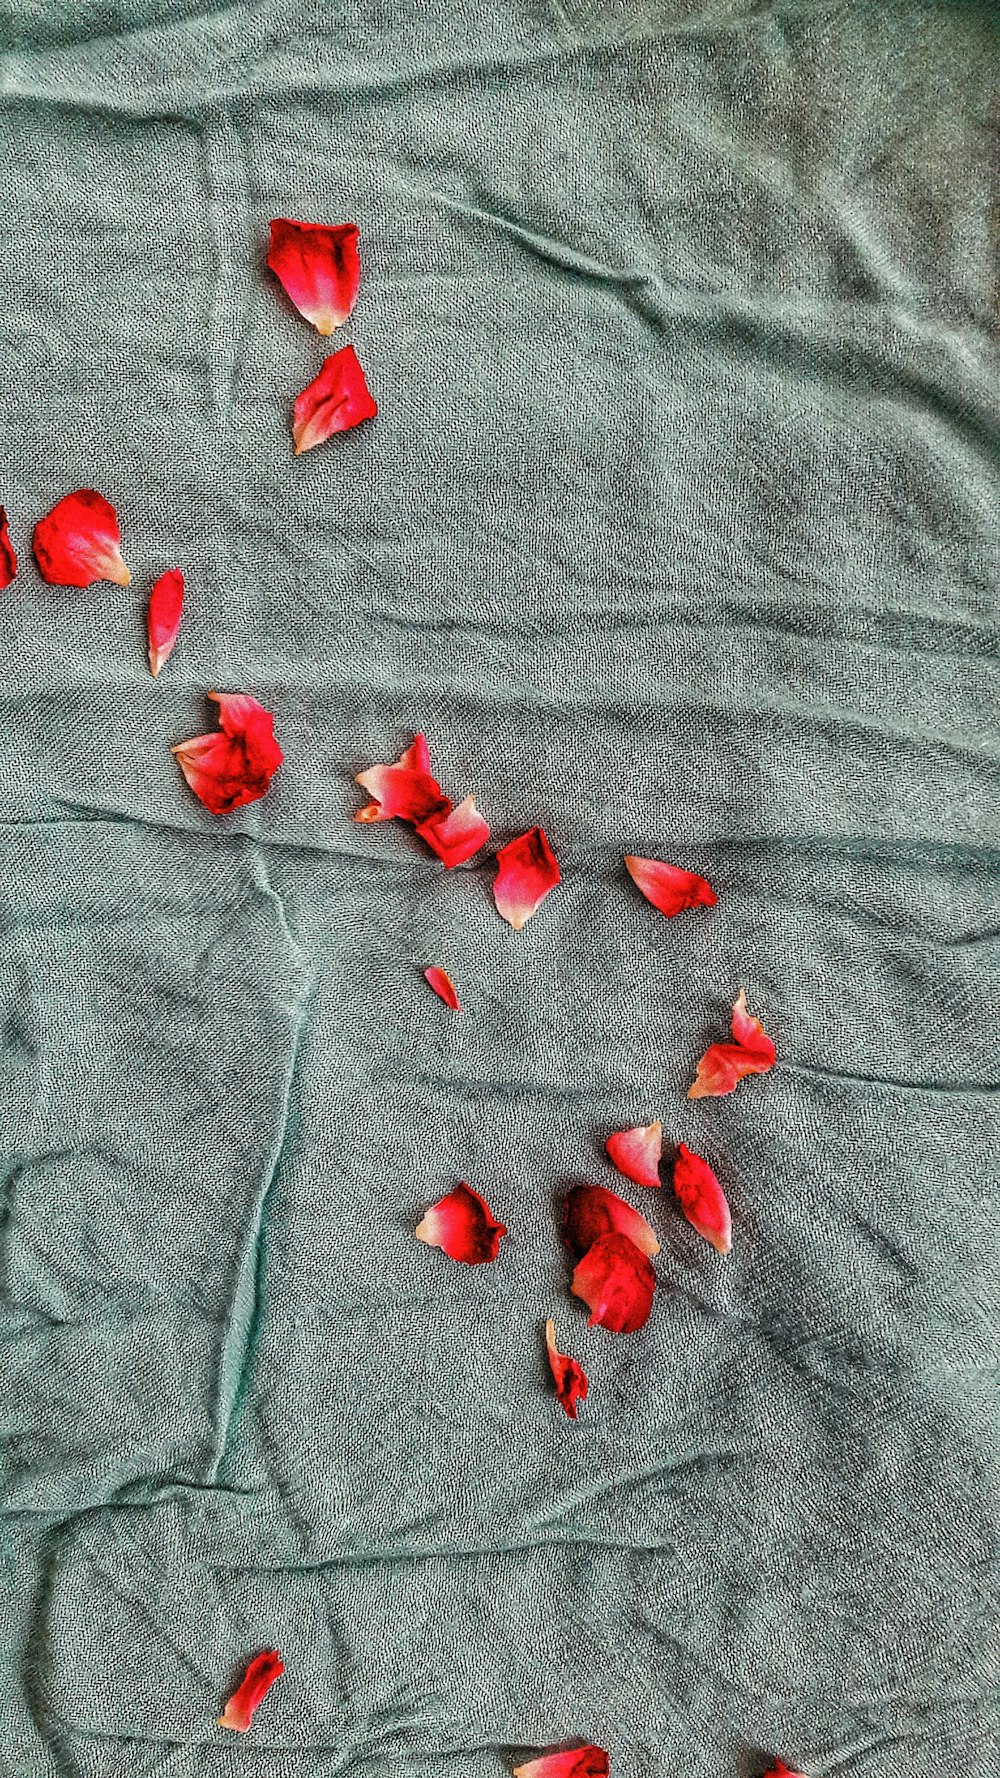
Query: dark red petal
x,y
750,1033
636,1153
336,400
443,985
79,542
166,603
455,836
616,1282
400,791
570,1380
527,871
463,1226
724,1065
668,887
257,1682
8,560
582,1762
235,766
592,1211
318,267
702,1199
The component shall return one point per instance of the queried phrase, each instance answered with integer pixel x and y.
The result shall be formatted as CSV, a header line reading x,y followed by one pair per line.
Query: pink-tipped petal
x,y
456,835
637,1153
569,1378
79,542
668,887
234,766
724,1065
463,1226
616,1282
166,604
443,986
527,871
401,792
582,1762
749,1032
336,400
8,559
702,1199
253,1689
318,267
592,1211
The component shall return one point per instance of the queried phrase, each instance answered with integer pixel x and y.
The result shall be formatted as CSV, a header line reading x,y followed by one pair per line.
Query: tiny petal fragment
x,y
443,985
257,1682
527,871
234,766
8,560
582,1762
166,603
702,1199
336,400
637,1153
724,1065
569,1377
463,1226
318,267
780,1770
668,887
457,834
79,542
616,1282
400,791
592,1211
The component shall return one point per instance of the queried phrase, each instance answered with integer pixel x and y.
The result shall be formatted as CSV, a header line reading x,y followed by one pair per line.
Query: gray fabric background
x,y
678,532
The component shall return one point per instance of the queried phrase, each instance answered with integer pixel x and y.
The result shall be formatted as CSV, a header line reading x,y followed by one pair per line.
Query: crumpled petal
x,y
591,1211
318,267
668,887
417,757
616,1282
443,985
637,1153
336,400
253,1689
234,766
569,1377
582,1762
8,560
702,1199
79,542
527,871
456,834
463,1226
724,1065
166,603
400,791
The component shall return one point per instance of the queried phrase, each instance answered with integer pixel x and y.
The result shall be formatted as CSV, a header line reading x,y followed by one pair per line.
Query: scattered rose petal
x,y
456,835
724,1065
235,765
582,1762
780,1770
166,603
417,756
79,542
592,1211
636,1153
569,1377
8,560
527,871
702,1199
257,1682
463,1226
400,791
668,887
336,400
443,985
318,267
616,1281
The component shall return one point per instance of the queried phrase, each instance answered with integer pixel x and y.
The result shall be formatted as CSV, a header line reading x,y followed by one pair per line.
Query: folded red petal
x,y
417,756
668,887
8,560
527,870
456,835
702,1199
569,1378
724,1065
637,1153
582,1762
463,1226
166,603
317,265
592,1211
401,792
616,1282
336,400
79,542
257,1682
443,985
750,1033
236,765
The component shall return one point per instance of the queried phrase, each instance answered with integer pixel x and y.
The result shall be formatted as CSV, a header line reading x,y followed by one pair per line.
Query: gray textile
x,y
678,533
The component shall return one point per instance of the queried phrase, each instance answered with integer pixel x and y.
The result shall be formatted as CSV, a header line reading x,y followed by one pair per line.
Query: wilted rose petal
x,y
668,887
235,765
592,1211
636,1153
443,985
616,1282
79,542
527,871
457,834
724,1065
402,792
166,603
417,757
702,1199
334,401
569,1378
582,1762
8,560
463,1226
317,265
260,1676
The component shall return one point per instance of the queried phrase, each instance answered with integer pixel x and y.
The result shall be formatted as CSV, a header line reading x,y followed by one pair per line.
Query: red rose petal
x,y
166,603
463,1226
570,1379
79,542
668,887
318,267
455,836
592,1211
401,792
443,985
582,1762
780,1770
257,1682
8,560
750,1033
417,756
235,766
616,1282
527,871
636,1153
336,400
724,1065
702,1199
